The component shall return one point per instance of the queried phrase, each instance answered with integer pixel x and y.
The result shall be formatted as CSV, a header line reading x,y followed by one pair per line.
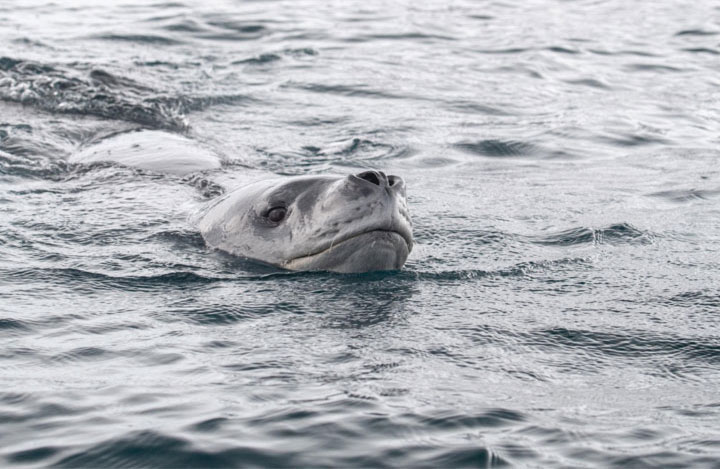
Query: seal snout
x,y
373,177
377,178
386,211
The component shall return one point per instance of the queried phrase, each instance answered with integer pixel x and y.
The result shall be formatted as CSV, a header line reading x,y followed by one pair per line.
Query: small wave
x,y
302,51
591,82
198,103
33,168
470,455
26,41
637,345
270,57
476,108
632,140
356,153
105,78
371,150
239,270
185,25
518,270
420,37
32,146
207,188
361,91
231,30
156,63
563,50
219,314
168,5
92,280
239,26
258,60
153,39
620,233
34,455
636,53
686,195
659,459
83,354
442,449
100,94
434,162
209,425
696,32
481,17
702,50
695,299
497,148
509,50
41,411
152,449
178,239
487,419
652,68
9,324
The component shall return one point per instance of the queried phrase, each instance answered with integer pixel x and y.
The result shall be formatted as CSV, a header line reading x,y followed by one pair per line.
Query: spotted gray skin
x,y
355,223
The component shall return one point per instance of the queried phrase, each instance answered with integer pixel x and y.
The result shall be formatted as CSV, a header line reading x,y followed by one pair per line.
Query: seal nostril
x,y
370,176
392,180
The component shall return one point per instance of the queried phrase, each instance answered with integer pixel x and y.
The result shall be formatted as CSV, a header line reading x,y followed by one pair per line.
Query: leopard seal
x,y
340,223
354,223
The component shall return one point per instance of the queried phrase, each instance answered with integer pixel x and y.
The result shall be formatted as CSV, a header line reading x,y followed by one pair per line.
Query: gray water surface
x,y
561,307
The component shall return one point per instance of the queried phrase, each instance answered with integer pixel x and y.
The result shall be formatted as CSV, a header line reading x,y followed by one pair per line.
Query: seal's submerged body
x,y
354,223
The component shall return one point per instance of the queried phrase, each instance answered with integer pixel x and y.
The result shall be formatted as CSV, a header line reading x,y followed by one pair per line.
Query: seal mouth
x,y
395,235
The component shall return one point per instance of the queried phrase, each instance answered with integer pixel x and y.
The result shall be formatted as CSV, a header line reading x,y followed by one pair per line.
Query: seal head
x,y
355,223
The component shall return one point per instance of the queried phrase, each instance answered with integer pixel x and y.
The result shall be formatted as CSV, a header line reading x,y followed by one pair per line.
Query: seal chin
x,y
365,252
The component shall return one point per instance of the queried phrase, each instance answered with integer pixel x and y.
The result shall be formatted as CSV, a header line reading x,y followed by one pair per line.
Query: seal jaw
x,y
364,252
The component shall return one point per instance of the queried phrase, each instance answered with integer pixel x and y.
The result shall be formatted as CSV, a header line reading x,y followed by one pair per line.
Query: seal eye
x,y
276,214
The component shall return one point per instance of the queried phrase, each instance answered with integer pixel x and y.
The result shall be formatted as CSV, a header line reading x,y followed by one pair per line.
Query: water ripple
x,y
101,94
363,91
498,148
619,233
635,346
686,195
150,448
697,32
140,38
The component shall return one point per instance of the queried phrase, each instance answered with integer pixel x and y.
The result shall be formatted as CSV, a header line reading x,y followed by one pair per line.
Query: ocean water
x,y
561,307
